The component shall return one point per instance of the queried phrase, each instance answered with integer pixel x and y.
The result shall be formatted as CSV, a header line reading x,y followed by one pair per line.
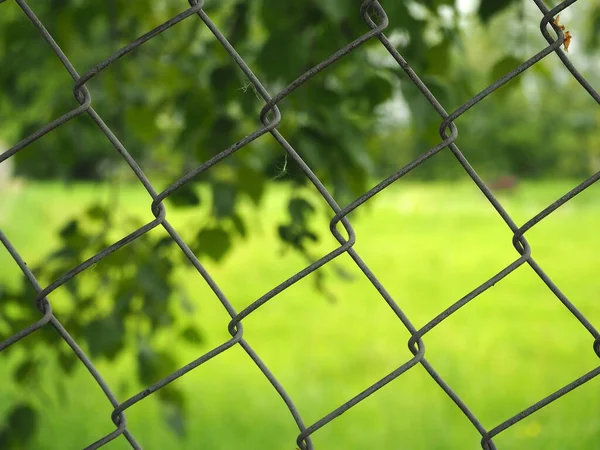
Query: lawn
x,y
429,245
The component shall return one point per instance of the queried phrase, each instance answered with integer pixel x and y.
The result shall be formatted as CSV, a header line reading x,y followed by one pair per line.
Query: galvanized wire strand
x,y
270,117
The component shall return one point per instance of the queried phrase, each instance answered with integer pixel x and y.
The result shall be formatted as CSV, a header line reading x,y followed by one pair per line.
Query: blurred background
x,y
254,220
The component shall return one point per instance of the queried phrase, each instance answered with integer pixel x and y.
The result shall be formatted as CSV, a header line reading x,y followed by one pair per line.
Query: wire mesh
x,y
376,19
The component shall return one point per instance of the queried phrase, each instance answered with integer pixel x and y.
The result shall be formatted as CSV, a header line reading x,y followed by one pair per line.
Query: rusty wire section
x,y
376,20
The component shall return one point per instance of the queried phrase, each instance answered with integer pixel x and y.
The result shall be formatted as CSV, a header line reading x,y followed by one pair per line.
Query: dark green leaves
x,y
97,212
67,361
27,372
252,183
154,365
300,210
225,79
438,59
186,195
70,229
291,59
212,242
191,335
151,282
489,8
19,428
426,120
239,22
337,10
377,89
594,36
173,405
503,67
105,336
296,236
140,121
297,233
224,198
223,129
239,225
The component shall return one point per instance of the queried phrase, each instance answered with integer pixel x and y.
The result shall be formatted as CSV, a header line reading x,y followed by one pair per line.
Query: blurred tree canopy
x,y
179,100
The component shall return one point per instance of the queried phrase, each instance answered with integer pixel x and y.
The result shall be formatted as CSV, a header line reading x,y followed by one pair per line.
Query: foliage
x,y
122,304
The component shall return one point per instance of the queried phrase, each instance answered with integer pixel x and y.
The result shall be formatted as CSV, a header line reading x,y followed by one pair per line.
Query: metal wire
x,y
376,19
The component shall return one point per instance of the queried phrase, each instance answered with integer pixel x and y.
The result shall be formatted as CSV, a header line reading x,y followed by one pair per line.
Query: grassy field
x,y
429,245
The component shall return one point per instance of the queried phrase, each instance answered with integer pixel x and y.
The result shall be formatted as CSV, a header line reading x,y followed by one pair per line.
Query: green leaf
x,y
501,68
186,195
224,127
239,225
185,302
152,366
164,242
300,210
336,10
212,242
430,134
27,371
286,233
251,183
432,4
397,13
97,212
239,23
140,120
489,8
118,259
286,58
173,404
224,197
594,33
318,95
105,336
296,235
225,79
175,418
123,295
6,439
438,59
68,361
289,16
542,70
70,229
155,287
504,66
20,427
442,90
67,253
377,89
171,395
192,335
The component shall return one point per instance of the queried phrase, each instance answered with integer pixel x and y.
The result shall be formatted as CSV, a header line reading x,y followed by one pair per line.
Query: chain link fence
x,y
373,13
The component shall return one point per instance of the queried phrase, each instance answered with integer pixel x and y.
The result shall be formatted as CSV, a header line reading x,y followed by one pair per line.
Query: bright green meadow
x,y
429,244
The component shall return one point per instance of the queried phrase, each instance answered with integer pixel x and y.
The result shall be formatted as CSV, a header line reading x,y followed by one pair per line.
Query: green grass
x,y
429,245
